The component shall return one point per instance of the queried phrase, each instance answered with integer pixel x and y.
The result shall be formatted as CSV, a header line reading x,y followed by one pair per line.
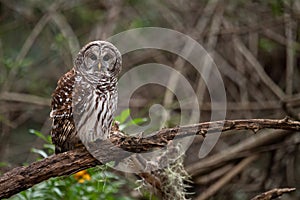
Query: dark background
x,y
255,44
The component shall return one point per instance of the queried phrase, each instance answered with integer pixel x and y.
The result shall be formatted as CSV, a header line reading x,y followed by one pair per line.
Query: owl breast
x,y
94,107
81,111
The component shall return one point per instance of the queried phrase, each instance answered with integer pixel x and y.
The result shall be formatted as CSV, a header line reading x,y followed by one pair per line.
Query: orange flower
x,y
82,176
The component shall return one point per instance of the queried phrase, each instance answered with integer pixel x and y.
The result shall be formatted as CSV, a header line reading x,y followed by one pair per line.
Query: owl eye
x,y
90,59
107,57
93,57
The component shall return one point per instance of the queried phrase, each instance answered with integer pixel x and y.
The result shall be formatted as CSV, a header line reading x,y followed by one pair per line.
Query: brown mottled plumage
x,y
85,98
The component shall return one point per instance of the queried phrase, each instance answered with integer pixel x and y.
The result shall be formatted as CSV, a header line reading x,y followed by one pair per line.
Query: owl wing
x,y
63,131
61,103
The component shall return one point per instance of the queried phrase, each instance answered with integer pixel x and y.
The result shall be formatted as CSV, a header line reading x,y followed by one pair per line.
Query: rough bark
x,y
21,178
273,194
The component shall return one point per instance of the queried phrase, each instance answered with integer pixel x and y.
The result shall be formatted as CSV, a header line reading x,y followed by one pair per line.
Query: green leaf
x,y
40,152
123,116
267,45
3,164
136,121
39,134
277,7
50,147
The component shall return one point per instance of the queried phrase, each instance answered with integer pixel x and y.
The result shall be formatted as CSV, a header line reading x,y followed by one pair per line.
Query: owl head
x,y
98,59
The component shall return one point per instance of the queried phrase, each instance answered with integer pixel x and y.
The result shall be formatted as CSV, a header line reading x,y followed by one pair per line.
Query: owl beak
x,y
99,65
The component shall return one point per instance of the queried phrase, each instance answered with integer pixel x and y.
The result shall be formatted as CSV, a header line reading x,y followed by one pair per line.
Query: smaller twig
x,y
66,31
253,37
257,27
225,179
25,49
273,194
172,17
207,178
233,152
28,44
206,16
239,60
24,98
289,55
173,81
22,9
32,37
264,77
106,26
279,38
210,45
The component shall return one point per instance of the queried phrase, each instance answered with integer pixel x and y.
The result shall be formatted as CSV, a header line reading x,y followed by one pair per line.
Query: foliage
x,y
125,120
267,45
91,184
101,185
277,7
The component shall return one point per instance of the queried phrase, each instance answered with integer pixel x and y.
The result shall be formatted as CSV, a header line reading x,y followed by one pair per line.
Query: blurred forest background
x,y
255,45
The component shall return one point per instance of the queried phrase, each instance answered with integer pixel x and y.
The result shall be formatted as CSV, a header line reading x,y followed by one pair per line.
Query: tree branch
x,y
70,162
21,178
273,194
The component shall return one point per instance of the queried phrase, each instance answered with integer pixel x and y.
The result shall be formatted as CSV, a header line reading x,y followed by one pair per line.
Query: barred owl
x,y
85,98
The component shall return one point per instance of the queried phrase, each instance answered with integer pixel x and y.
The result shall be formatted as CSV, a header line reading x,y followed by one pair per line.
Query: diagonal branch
x,y
67,163
273,194
21,178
